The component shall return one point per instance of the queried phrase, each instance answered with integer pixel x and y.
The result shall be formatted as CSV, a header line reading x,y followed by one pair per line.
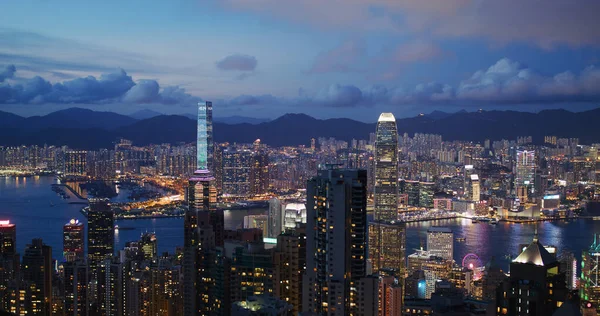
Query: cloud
x,y
238,62
506,82
343,58
7,73
556,22
114,87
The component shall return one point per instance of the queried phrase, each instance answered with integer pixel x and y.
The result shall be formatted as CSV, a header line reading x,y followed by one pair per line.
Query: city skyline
x,y
316,58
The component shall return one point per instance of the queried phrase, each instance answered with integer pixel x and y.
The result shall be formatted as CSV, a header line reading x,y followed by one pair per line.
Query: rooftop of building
x,y
535,254
386,117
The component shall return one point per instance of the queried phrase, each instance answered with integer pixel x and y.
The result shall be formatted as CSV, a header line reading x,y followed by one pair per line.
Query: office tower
x,y
412,190
236,171
336,240
294,215
204,139
73,241
590,274
415,285
491,278
37,274
259,173
426,192
257,221
462,278
475,189
440,242
380,296
290,261
275,220
75,163
387,247
536,285
100,232
252,271
525,170
75,288
386,169
435,268
568,264
203,224
149,246
468,170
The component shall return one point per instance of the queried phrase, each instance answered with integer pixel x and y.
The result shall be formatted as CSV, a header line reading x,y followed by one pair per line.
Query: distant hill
x,y
86,129
239,120
144,114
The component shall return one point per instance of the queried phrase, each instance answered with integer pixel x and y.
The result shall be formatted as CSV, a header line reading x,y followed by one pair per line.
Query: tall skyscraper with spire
x,y
203,224
386,168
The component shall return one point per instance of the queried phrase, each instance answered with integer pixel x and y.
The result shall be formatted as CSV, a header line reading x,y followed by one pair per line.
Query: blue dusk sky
x,y
325,58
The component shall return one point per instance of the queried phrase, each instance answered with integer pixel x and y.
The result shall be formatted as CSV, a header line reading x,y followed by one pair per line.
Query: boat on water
x,y
461,239
474,221
485,219
123,228
494,221
51,204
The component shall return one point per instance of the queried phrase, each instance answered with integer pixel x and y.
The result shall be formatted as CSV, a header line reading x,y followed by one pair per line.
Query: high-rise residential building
x,y
75,288
568,264
290,262
236,171
590,274
294,215
475,188
100,232
336,241
440,242
525,170
259,173
536,285
387,248
37,274
275,218
379,295
386,169
73,241
75,163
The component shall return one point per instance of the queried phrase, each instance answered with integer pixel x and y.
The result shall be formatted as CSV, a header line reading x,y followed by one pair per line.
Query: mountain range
x,y
87,129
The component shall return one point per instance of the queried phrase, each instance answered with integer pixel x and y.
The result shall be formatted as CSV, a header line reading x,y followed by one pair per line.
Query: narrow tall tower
x,y
336,241
203,224
386,168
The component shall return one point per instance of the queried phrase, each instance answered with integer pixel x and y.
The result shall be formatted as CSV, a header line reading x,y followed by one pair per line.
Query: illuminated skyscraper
x,y
259,173
475,188
101,232
391,254
75,276
149,246
440,242
204,140
203,224
37,273
73,241
9,260
590,274
386,168
525,170
290,262
336,241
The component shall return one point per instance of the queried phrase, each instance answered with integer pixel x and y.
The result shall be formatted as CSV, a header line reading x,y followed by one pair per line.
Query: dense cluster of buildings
x,y
329,257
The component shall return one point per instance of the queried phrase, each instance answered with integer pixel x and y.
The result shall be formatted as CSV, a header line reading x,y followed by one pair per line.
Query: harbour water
x,y
27,202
